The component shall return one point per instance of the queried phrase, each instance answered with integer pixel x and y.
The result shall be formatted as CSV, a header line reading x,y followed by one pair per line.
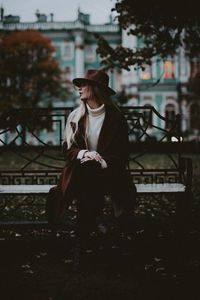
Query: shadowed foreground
x,y
152,264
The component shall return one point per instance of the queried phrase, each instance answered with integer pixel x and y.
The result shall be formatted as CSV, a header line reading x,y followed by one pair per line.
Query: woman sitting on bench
x,y
97,149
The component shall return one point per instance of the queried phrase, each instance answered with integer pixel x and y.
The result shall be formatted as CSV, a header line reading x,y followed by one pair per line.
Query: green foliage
x,y
163,27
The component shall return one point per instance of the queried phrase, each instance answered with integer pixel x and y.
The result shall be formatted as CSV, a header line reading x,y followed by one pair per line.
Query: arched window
x,y
67,50
90,53
194,116
169,69
170,114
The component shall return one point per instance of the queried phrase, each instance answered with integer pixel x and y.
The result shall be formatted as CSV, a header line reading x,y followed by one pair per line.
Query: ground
x,y
154,263
151,264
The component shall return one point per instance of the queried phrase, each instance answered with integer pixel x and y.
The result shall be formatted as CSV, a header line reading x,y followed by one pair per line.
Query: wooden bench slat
x,y
141,188
25,189
161,188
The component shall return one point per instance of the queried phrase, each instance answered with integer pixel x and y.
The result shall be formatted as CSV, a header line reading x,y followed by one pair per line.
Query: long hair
x,y
93,92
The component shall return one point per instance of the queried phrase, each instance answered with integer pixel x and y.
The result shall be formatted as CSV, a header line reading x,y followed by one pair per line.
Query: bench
x,y
31,159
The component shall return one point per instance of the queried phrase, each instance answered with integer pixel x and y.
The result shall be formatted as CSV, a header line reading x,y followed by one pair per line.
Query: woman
x,y
96,150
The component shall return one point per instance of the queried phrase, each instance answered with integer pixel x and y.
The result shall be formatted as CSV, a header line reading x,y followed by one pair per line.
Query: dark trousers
x,y
90,183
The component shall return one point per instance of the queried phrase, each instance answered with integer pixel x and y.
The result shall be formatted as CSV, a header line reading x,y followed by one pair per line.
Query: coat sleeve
x,y
70,154
118,152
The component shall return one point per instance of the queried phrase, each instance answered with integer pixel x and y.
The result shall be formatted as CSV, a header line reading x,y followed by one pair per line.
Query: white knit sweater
x,y
94,123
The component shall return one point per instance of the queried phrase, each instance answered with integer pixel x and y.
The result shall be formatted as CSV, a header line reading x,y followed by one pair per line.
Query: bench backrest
x,y
31,141
149,133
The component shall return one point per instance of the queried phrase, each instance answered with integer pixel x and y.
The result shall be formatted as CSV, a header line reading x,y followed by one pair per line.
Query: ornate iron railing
x,y
148,133
31,144
33,136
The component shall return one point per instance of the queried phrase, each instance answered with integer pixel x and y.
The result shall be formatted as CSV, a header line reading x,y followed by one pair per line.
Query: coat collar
x,y
109,128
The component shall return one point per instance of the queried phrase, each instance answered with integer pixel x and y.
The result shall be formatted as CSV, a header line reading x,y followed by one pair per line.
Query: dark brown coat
x,y
113,146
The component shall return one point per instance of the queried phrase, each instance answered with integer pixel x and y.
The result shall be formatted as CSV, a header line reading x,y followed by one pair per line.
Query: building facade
x,y
163,85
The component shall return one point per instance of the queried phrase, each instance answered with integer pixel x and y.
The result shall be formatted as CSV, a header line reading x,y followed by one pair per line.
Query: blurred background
x,y
150,62
150,50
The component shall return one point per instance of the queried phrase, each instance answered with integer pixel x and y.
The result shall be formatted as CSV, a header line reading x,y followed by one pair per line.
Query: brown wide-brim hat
x,y
95,77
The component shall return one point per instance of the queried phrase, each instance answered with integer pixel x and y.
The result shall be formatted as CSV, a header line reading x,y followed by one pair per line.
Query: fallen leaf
x,y
157,259
25,266
68,261
160,269
43,253
29,271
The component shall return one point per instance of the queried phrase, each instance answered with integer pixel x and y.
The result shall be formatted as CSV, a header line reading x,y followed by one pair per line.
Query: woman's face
x,y
86,93
83,91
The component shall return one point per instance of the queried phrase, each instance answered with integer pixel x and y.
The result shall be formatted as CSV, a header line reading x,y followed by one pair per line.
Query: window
x,y
194,68
194,116
54,46
90,54
147,73
170,114
168,69
68,73
67,50
57,47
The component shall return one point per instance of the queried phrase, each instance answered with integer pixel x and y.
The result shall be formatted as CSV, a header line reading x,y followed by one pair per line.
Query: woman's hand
x,y
91,155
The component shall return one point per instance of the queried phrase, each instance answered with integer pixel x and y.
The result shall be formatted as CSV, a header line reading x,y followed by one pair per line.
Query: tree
x,y
29,74
162,28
